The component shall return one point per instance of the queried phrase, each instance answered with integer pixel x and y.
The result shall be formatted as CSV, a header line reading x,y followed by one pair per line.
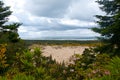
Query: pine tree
x,y
109,24
8,32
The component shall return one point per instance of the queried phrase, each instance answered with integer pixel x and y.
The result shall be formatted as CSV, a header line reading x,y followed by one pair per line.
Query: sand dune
x,y
60,53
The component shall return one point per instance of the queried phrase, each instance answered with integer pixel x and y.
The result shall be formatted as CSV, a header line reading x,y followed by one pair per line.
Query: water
x,y
66,38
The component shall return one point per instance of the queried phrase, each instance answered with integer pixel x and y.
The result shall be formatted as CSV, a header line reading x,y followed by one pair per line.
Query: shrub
x,y
3,61
113,68
23,77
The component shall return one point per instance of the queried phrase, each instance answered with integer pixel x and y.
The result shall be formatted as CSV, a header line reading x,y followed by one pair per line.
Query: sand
x,y
60,53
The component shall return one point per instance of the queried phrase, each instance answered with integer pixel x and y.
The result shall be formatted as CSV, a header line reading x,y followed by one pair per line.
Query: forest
x,y
101,62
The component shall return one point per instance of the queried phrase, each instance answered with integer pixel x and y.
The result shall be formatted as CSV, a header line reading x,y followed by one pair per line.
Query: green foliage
x,y
97,68
113,68
89,65
3,78
32,65
19,63
3,61
109,25
35,65
23,77
42,74
4,13
12,49
8,33
63,42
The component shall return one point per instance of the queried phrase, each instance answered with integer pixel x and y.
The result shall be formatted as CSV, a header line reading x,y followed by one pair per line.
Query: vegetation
x,y
8,32
90,43
19,63
109,25
34,66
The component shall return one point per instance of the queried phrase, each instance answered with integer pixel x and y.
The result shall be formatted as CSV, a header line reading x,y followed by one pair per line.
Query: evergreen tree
x,y
8,32
109,24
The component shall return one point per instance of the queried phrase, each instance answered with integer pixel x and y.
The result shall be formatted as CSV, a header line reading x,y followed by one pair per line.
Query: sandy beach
x,y
60,53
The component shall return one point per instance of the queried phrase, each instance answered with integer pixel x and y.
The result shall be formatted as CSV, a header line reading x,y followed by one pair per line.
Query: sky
x,y
54,18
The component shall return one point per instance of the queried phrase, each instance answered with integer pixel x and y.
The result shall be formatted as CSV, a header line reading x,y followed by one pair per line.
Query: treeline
x,y
63,42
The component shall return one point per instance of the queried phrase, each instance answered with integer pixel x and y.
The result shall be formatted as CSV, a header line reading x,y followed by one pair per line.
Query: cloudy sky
x,y
54,18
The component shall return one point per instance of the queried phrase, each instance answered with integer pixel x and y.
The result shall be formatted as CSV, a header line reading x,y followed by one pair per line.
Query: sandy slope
x,y
60,53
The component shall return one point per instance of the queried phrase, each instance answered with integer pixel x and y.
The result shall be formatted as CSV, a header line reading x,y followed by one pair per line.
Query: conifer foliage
x,y
8,32
109,24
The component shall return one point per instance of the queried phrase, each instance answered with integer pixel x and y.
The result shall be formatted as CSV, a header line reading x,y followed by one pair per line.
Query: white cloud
x,y
47,8
84,10
54,17
75,22
13,19
67,33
